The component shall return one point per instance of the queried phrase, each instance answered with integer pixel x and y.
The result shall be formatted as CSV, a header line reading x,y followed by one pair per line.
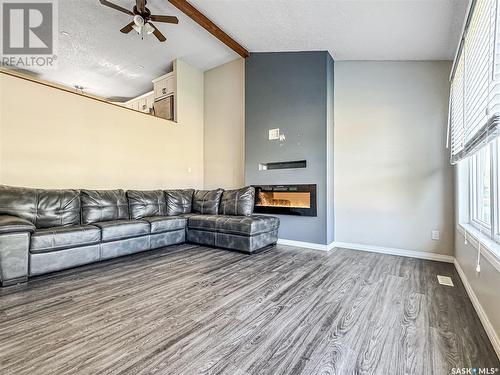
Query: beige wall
x,y
393,180
225,126
54,139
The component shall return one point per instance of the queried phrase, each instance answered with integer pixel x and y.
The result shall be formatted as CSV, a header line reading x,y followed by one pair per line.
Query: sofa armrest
x,y
15,234
14,224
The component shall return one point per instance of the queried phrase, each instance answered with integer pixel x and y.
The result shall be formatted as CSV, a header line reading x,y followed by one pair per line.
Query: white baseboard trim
x,y
396,251
307,245
370,248
488,327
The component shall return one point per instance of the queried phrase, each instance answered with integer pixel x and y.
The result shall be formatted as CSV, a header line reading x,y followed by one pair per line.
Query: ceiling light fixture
x,y
138,24
148,29
79,89
138,20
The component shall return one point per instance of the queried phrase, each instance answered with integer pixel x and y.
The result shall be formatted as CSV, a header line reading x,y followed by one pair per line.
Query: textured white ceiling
x,y
110,64
348,29
97,56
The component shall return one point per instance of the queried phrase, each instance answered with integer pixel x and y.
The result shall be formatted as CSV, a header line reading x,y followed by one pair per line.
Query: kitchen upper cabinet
x,y
143,103
164,86
161,99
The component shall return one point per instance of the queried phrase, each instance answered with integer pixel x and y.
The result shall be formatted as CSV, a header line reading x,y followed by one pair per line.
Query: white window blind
x,y
475,85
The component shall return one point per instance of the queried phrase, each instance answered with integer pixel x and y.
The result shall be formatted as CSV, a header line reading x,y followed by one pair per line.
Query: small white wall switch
x,y
445,280
435,235
274,134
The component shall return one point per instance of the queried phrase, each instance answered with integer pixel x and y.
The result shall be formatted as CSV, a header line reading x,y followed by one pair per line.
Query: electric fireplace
x,y
286,199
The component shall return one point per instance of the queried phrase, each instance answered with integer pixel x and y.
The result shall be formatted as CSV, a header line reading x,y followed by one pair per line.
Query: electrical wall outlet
x,y
435,235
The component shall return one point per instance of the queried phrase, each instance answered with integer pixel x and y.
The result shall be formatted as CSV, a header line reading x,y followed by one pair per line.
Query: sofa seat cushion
x,y
203,222
59,238
187,216
160,224
247,225
120,229
241,225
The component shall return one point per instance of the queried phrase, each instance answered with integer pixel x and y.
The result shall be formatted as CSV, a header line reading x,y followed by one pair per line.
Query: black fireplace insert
x,y
297,200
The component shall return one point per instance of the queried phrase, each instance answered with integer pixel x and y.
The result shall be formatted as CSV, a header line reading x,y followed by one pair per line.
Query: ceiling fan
x,y
142,19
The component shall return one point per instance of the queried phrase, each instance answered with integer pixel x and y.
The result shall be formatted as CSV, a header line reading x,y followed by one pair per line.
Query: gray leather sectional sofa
x,y
42,231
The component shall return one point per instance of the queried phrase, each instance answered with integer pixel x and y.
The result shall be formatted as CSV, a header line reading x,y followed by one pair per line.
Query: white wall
x,y
55,139
393,181
225,126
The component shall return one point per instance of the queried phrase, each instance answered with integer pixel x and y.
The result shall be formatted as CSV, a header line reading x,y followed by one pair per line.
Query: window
x,y
480,189
474,116
484,190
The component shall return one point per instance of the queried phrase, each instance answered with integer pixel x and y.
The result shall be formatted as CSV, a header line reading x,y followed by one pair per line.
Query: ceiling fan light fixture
x,y
138,20
148,28
138,29
141,19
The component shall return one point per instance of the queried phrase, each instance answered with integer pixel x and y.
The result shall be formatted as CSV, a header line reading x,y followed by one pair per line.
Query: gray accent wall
x,y
330,213
292,91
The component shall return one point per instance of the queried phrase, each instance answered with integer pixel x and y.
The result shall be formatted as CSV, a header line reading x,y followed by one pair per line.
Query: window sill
x,y
489,248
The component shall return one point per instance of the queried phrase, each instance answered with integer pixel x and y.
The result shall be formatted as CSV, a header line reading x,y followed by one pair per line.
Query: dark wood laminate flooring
x,y
190,310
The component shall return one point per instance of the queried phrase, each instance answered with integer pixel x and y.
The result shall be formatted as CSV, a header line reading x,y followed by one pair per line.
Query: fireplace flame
x,y
284,199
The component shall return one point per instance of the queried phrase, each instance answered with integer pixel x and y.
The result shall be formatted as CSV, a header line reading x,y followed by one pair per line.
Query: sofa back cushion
x,y
179,201
18,201
44,208
57,208
146,203
207,201
238,202
103,205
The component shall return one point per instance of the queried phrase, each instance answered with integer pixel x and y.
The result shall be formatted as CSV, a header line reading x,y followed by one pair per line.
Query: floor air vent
x,y
445,280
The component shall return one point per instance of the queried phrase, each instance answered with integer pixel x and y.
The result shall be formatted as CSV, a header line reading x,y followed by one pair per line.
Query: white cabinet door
x,y
150,101
164,87
143,107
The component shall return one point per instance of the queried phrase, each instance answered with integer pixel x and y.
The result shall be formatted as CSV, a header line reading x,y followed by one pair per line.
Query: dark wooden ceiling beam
x,y
208,25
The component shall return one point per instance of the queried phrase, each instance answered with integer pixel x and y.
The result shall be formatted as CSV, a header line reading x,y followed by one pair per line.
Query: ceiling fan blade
x,y
158,34
141,5
166,19
116,7
128,28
